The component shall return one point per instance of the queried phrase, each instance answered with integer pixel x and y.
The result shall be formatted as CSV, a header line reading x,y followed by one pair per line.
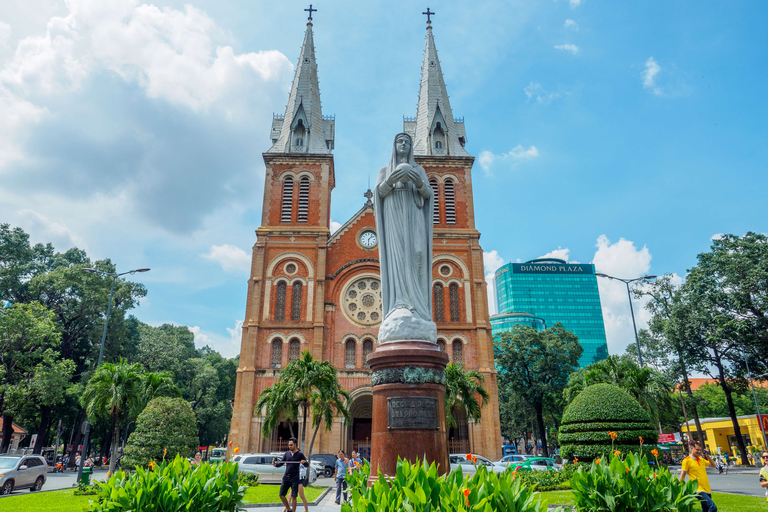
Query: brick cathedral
x,y
314,290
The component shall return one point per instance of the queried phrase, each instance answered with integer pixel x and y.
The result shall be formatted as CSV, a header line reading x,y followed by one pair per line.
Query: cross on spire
x,y
428,14
311,10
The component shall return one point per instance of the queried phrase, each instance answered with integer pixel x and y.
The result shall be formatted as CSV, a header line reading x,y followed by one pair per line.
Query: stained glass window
x,y
277,353
296,301
367,349
294,349
350,354
287,200
453,291
441,345
280,301
438,301
458,352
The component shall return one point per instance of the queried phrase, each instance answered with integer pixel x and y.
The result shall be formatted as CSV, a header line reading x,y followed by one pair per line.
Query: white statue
x,y
403,209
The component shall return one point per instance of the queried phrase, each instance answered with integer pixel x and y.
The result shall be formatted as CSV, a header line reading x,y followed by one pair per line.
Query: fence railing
x,y
458,446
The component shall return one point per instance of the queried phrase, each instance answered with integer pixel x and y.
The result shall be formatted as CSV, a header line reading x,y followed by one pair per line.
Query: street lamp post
x,y
114,277
631,309
757,406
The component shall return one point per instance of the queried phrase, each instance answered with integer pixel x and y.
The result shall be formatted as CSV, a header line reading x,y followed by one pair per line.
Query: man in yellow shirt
x,y
695,466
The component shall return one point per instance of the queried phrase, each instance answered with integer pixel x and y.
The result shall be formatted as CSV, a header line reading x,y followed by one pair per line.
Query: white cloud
x,y
575,3
5,34
534,90
335,226
652,69
518,153
561,254
227,345
492,262
568,48
231,258
571,25
46,230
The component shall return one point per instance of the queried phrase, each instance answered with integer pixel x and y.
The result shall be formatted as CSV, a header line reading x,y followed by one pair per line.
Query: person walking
x,y
340,474
764,473
354,461
695,467
303,482
292,458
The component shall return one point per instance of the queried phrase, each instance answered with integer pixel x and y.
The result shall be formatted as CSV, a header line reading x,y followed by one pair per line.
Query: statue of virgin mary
x,y
403,210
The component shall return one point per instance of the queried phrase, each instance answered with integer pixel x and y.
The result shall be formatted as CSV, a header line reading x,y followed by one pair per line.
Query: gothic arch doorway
x,y
458,436
359,429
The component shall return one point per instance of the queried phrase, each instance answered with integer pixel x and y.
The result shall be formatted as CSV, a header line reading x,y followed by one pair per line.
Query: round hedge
x,y
595,412
165,424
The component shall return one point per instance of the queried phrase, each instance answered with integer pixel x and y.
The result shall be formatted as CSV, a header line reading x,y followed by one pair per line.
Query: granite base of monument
x,y
408,405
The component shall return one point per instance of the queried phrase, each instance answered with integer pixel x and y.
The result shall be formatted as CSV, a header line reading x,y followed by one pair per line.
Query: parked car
x,y
511,459
22,472
261,463
459,460
535,464
329,463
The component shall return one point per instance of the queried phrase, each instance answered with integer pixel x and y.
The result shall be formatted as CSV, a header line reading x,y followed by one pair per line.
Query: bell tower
x,y
284,307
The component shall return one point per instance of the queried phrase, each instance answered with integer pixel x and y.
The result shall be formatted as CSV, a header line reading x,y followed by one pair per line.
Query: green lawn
x,y
724,502
64,501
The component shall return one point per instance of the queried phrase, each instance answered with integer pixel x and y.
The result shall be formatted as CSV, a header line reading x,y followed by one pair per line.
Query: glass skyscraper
x,y
554,291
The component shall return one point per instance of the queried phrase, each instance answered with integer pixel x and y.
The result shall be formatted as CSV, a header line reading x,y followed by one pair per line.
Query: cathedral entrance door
x,y
359,432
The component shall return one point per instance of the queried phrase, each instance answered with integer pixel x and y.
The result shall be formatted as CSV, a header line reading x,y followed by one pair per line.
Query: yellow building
x,y
719,436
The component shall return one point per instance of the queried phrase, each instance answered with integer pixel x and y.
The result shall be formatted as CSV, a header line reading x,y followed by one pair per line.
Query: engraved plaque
x,y
417,412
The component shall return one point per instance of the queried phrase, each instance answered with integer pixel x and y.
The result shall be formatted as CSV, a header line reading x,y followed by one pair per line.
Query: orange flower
x,y
165,452
346,461
469,456
616,453
613,435
152,464
627,470
641,439
230,443
237,449
597,461
474,460
109,474
466,493
655,452
655,475
575,460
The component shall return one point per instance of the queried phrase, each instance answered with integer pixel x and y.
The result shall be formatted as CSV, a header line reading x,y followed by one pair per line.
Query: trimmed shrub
x,y
597,411
164,429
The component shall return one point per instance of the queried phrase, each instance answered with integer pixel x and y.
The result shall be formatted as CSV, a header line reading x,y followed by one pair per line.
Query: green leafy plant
x,y
172,486
248,479
84,489
631,484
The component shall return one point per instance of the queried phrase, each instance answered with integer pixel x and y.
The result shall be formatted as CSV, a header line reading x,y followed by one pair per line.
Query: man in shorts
x,y
695,466
292,458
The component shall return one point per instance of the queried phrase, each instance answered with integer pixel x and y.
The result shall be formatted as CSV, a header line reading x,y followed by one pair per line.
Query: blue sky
x,y
624,134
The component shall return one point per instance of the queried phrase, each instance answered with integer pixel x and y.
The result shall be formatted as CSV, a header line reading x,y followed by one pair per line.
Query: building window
x,y
280,301
435,202
450,204
277,353
438,144
367,349
294,349
303,199
287,199
438,301
458,352
453,291
350,354
296,301
441,345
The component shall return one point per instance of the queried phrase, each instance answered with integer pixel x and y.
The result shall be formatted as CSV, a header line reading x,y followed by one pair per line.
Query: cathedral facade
x,y
317,291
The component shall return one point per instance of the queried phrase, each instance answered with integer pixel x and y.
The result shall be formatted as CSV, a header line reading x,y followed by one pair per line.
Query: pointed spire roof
x,y
302,129
434,108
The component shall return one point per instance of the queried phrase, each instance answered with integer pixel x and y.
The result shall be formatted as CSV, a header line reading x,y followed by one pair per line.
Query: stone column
x,y
408,405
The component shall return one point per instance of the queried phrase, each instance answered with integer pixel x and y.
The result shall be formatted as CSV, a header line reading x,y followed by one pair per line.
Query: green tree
x,y
463,387
537,364
301,383
115,393
165,428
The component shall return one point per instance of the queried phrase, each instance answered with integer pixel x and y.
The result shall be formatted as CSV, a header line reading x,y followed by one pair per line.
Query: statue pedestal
x,y
408,405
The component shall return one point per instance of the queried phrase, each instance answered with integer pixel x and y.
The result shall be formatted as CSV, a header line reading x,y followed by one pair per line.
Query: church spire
x,y
303,129
434,129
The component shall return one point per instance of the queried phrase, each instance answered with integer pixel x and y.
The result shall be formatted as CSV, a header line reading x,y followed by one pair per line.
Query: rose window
x,y
361,301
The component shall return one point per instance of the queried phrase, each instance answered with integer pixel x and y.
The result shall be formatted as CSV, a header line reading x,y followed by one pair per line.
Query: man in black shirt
x,y
292,458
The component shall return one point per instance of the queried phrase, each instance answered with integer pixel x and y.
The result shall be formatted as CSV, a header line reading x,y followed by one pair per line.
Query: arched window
x,y
439,144
303,199
294,349
277,354
453,292
450,204
296,301
287,208
435,202
437,293
367,349
280,301
350,354
458,352
441,345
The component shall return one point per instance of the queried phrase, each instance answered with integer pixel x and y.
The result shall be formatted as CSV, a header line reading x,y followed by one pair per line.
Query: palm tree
x,y
158,384
464,387
303,385
114,393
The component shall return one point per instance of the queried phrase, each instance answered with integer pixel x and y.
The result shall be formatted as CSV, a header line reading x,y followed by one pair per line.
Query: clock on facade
x,y
368,239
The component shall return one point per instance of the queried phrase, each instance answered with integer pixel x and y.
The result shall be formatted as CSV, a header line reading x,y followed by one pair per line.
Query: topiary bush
x,y
166,427
597,411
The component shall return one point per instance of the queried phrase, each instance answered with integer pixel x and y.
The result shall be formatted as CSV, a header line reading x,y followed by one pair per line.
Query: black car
x,y
328,460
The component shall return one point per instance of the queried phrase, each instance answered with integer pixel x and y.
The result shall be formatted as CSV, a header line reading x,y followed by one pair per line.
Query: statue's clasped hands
x,y
404,173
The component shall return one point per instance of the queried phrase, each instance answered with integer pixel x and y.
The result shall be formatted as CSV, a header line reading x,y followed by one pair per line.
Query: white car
x,y
510,459
460,460
22,472
261,464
